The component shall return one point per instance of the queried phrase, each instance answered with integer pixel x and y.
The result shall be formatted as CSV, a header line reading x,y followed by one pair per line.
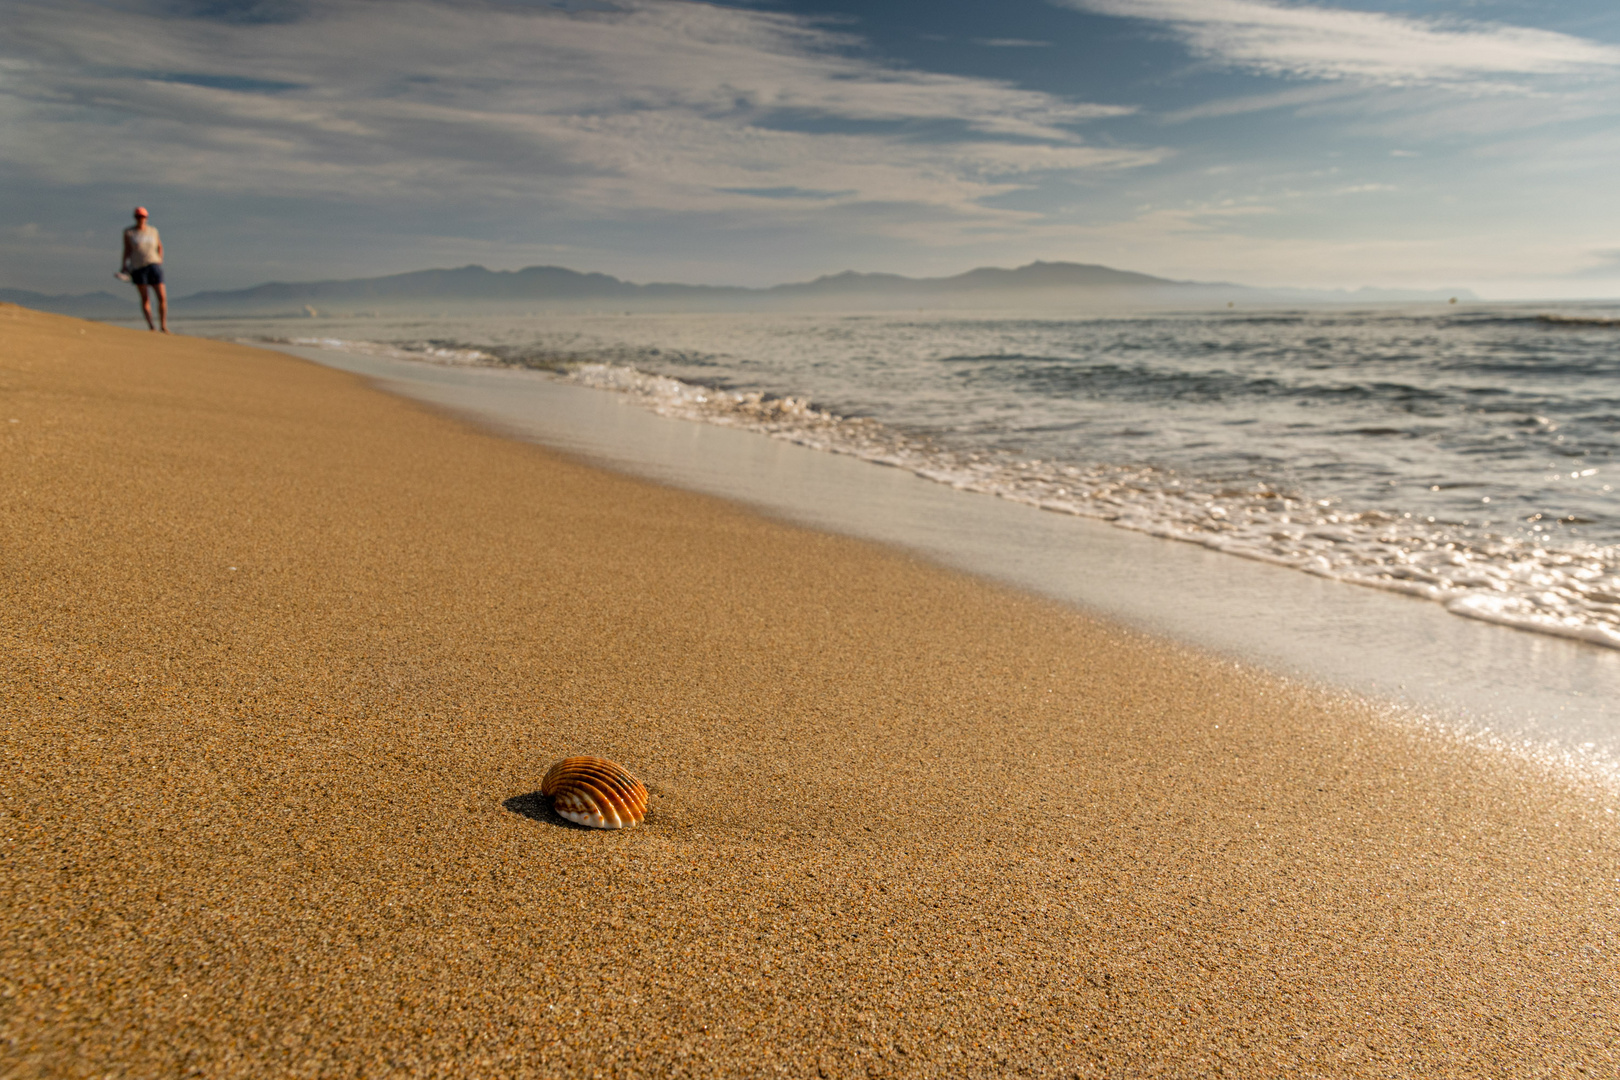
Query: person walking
x,y
143,262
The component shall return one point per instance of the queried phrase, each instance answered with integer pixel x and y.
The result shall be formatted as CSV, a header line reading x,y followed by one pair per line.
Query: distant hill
x,y
1035,277
95,305
556,284
466,283
1037,284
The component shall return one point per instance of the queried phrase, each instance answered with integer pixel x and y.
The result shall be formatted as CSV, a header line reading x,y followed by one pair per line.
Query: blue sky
x,y
1463,144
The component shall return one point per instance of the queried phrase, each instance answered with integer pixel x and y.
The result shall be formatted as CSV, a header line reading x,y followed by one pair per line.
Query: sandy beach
x,y
283,660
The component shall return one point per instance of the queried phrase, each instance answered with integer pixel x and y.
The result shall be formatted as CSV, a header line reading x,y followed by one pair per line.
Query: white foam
x,y
433,353
1568,593
1531,695
1571,593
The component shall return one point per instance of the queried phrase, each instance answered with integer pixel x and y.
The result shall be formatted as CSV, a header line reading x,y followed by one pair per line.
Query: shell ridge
x,y
596,792
606,805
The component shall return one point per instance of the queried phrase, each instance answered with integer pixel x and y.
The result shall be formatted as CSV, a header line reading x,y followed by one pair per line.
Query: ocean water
x,y
1467,456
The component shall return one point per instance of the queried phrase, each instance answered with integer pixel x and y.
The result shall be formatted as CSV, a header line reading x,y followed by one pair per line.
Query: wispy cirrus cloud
x,y
1293,97
640,107
1603,264
1011,43
742,141
1321,42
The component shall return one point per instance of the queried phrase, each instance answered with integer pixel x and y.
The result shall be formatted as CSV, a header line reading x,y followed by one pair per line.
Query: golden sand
x,y
283,660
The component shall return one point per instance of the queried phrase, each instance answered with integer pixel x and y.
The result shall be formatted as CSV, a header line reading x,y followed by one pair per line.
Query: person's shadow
x,y
537,807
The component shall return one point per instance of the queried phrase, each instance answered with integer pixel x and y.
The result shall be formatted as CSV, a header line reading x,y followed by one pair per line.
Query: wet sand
x,y
283,658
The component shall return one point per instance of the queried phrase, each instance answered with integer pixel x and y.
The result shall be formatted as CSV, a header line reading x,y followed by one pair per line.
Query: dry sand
x,y
282,660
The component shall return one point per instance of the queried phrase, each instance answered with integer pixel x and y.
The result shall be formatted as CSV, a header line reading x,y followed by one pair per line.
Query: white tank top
x,y
143,246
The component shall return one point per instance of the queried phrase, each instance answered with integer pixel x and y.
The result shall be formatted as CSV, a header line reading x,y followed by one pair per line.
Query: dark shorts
x,y
148,275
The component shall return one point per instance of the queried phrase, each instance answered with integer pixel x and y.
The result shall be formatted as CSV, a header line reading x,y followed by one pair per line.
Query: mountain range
x,y
1037,284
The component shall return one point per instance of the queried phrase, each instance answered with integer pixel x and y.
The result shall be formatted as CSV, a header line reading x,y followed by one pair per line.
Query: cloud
x,y
792,193
1311,41
1253,103
642,107
1601,264
1011,43
1434,115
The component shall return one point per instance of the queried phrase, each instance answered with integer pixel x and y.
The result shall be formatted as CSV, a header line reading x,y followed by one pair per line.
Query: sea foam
x,y
1569,593
1269,434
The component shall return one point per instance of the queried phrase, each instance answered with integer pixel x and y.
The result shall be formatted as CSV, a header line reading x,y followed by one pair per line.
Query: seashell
x,y
596,792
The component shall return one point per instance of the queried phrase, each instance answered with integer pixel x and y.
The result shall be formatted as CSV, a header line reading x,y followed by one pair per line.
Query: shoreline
x,y
281,652
1557,700
1548,584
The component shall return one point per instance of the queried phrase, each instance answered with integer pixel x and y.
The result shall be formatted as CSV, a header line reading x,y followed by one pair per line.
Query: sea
x,y
1466,457
1470,457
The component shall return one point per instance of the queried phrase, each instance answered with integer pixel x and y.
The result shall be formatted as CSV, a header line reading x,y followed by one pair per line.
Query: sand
x,y
283,659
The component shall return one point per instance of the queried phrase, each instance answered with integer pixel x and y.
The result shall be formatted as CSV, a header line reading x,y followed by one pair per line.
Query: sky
x,y
1469,144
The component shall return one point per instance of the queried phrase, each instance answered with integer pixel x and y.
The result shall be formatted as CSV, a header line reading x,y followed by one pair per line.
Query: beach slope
x,y
283,659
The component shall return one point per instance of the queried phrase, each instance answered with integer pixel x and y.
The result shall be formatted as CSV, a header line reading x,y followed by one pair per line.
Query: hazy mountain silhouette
x,y
86,305
1037,284
552,284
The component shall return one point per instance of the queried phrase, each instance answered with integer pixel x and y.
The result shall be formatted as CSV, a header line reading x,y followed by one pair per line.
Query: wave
x,y
1577,320
436,352
1571,592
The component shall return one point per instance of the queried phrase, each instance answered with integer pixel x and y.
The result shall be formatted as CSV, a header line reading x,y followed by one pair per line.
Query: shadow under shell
x,y
537,807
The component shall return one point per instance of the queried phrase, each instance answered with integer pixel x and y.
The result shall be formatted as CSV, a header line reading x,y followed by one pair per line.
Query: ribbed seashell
x,y
596,792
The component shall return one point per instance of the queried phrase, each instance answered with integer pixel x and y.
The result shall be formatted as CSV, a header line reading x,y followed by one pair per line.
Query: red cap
x,y
140,211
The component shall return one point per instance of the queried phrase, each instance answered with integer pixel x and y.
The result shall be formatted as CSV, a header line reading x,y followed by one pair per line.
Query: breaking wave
x,y
1569,588
1568,593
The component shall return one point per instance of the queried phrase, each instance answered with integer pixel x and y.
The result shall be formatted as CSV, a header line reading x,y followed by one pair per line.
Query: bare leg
x,y
163,306
146,307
